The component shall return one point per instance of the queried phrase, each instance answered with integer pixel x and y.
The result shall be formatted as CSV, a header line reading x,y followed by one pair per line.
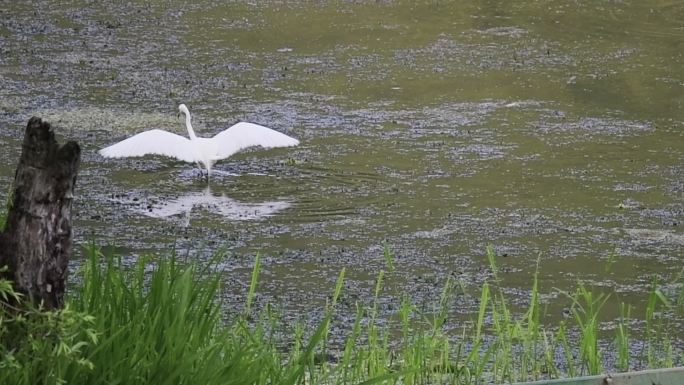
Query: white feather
x,y
243,135
157,142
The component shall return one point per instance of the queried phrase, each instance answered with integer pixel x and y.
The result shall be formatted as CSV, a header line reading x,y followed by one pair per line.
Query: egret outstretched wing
x,y
243,135
157,142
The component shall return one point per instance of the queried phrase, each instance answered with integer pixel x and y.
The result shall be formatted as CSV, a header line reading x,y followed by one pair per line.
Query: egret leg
x,y
200,169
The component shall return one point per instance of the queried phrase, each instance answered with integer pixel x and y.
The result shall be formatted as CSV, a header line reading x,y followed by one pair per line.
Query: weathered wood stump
x,y
36,242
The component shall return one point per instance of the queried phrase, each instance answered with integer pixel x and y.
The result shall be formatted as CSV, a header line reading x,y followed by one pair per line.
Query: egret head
x,y
182,108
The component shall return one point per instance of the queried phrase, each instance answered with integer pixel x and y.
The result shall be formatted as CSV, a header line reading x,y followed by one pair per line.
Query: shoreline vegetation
x,y
162,322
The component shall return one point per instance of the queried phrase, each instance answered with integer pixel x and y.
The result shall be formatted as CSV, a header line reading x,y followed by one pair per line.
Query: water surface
x,y
548,130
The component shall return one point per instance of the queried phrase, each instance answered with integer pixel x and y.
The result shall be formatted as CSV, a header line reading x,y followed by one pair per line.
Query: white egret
x,y
204,151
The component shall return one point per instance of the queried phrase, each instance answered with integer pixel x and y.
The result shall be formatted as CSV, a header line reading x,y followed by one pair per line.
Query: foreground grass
x,y
164,326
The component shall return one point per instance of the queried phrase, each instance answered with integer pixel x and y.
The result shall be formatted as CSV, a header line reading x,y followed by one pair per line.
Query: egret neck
x,y
191,132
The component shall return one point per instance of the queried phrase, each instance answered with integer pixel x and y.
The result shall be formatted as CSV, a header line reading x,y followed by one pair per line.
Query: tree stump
x,y
36,242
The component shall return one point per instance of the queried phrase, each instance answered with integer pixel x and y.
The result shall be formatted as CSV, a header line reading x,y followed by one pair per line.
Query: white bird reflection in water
x,y
221,205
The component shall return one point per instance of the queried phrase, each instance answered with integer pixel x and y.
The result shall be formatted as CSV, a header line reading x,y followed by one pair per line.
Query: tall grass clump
x,y
155,328
586,308
166,327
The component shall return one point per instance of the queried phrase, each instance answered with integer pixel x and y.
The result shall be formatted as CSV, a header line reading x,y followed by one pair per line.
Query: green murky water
x,y
549,129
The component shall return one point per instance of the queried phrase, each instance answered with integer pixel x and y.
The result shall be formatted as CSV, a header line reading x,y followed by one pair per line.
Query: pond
x,y
552,131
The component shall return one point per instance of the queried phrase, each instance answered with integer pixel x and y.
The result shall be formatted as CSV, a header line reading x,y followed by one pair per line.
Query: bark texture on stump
x,y
36,243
